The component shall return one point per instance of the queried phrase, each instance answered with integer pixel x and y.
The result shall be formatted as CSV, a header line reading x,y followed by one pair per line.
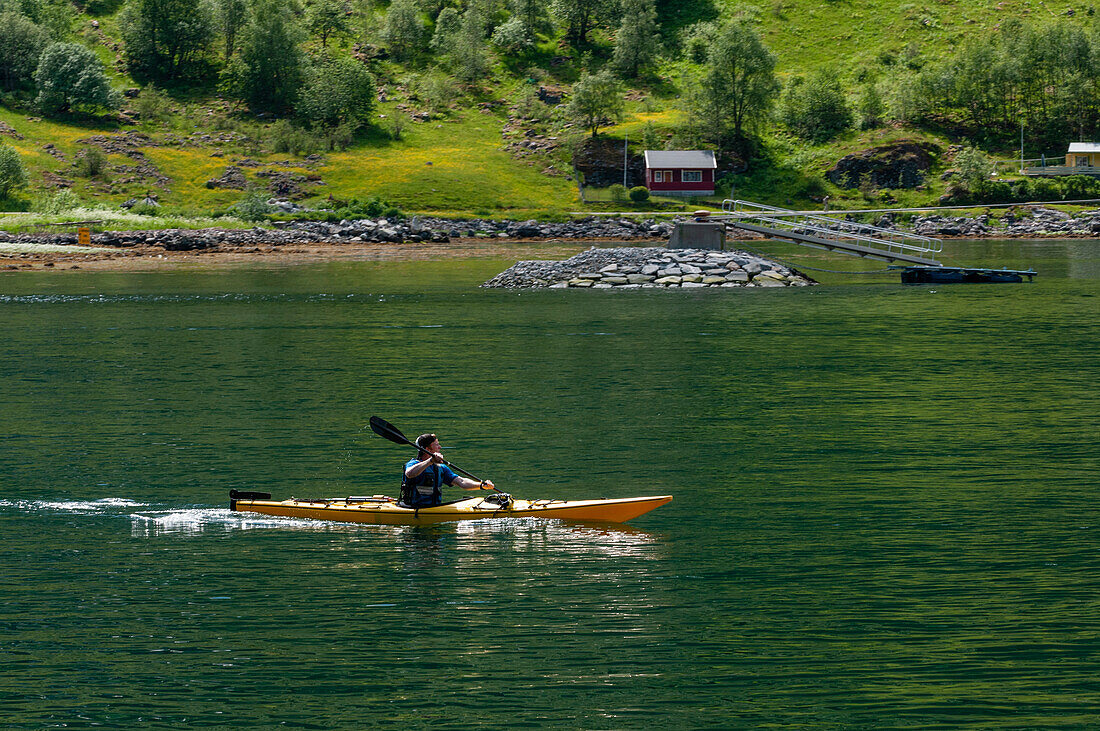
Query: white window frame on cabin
x,y
663,176
692,176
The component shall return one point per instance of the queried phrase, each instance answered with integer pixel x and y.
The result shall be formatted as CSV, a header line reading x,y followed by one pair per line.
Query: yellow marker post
x,y
84,236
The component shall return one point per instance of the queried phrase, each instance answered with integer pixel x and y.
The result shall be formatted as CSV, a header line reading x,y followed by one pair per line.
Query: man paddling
x,y
426,473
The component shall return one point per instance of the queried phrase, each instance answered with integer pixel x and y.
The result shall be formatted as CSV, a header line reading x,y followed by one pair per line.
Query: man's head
x,y
427,443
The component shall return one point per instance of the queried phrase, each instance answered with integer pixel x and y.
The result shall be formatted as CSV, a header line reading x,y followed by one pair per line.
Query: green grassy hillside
x,y
449,156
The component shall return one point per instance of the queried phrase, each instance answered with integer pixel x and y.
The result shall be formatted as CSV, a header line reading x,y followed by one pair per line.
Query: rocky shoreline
x,y
650,267
1033,222
414,229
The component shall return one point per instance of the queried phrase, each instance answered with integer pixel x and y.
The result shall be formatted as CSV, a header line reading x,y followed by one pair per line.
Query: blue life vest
x,y
423,491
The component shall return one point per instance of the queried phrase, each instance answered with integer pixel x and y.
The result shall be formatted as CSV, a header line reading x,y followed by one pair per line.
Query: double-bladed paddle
x,y
383,428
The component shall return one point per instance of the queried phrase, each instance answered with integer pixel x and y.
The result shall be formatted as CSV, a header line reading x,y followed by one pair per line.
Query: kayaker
x,y
426,474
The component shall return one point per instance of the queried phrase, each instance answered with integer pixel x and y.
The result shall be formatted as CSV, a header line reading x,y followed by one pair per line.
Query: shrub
x,y
639,194
286,137
13,175
618,193
973,166
59,201
145,209
816,110
253,206
91,163
152,105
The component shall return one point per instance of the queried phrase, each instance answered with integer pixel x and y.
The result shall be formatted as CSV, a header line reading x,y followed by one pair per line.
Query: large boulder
x,y
897,165
600,161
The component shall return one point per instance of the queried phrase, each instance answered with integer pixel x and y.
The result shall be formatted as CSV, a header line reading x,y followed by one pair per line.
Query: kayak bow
x,y
382,510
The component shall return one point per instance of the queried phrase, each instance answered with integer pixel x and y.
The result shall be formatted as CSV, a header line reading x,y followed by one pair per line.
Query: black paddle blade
x,y
383,428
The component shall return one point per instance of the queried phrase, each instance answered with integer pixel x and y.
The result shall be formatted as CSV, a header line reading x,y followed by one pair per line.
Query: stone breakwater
x,y
654,267
415,229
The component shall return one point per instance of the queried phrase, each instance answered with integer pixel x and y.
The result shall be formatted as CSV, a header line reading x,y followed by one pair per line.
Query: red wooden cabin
x,y
680,172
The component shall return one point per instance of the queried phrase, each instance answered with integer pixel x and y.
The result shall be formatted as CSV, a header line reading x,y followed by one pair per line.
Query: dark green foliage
x,y
816,110
470,61
231,18
337,91
1073,187
56,17
403,30
91,163
513,36
326,17
738,87
579,17
153,105
70,78
871,108
21,45
167,39
596,101
271,68
1046,76
253,206
13,175
636,43
639,194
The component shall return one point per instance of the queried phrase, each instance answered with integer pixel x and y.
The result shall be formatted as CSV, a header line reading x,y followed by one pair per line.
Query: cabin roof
x,y
1084,147
680,159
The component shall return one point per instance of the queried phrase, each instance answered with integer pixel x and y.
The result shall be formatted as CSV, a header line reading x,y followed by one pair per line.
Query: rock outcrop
x,y
898,165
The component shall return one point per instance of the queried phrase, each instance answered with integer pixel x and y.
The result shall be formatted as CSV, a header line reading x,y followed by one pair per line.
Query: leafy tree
x,y
13,175
326,17
56,17
738,87
636,43
580,16
447,25
974,167
232,17
21,45
533,14
469,49
271,63
338,91
817,110
513,36
597,101
403,30
871,107
70,77
167,39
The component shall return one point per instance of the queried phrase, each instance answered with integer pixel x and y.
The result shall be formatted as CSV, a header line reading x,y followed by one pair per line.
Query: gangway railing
x,y
859,239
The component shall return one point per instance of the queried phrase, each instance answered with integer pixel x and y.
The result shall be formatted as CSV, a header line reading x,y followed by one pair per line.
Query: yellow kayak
x,y
382,510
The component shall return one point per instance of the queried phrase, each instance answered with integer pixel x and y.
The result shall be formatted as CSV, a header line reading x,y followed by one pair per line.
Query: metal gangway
x,y
833,234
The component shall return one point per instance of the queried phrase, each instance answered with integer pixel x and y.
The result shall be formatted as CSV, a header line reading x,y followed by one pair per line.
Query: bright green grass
x,y
447,165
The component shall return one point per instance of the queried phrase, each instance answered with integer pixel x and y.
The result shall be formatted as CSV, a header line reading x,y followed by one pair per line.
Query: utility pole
x,y
626,142
1021,145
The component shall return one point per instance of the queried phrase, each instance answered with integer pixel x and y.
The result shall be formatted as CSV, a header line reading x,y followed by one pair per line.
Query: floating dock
x,y
963,275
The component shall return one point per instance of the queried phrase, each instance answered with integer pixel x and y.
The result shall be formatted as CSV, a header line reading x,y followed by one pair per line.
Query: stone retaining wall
x,y
653,267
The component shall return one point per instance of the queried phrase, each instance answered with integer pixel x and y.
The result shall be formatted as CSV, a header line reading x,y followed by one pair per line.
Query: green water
x,y
885,516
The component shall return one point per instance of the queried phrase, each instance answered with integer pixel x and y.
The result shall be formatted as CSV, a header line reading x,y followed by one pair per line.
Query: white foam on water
x,y
79,507
201,520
